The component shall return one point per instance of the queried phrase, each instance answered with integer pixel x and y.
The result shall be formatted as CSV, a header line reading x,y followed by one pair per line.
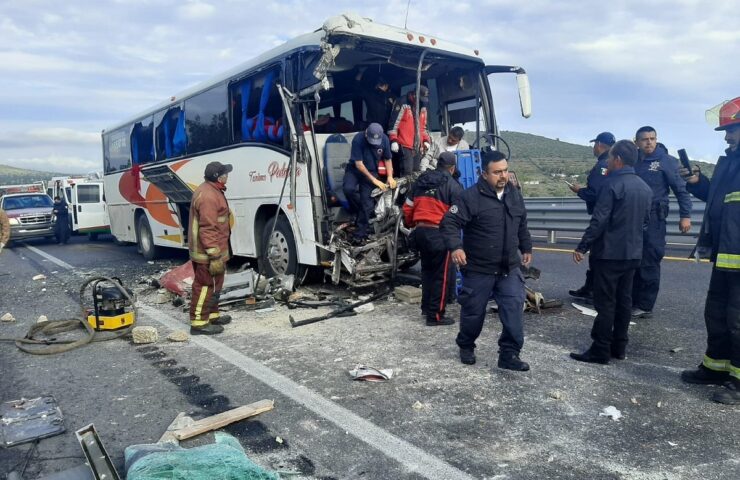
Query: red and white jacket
x,y
430,198
402,128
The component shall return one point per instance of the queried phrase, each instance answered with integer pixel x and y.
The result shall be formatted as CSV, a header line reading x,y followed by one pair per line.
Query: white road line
x,y
412,458
49,257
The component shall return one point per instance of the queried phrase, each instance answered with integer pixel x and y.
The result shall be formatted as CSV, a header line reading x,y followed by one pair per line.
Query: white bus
x,y
284,120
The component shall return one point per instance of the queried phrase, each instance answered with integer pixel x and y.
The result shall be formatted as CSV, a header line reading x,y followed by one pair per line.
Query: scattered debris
x,y
144,334
178,302
585,310
26,420
265,310
612,412
672,444
42,319
338,312
215,422
237,286
178,336
633,323
634,401
367,308
419,406
370,374
8,317
176,279
659,404
676,349
279,440
556,394
163,296
40,276
95,453
408,294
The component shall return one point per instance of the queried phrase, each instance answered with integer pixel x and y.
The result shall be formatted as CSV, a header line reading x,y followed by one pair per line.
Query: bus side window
x,y
171,136
142,142
257,110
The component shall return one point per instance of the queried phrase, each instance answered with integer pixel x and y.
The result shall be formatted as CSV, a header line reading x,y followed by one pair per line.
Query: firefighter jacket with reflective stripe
x,y
494,231
431,197
210,229
720,230
404,125
4,227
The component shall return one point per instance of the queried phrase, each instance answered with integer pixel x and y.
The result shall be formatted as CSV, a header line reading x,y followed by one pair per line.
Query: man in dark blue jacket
x,y
493,219
719,240
596,178
614,240
431,196
660,171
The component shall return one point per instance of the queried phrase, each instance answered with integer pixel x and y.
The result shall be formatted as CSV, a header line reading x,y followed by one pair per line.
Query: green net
x,y
223,460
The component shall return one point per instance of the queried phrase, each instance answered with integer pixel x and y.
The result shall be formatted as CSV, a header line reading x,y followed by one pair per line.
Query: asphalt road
x,y
436,418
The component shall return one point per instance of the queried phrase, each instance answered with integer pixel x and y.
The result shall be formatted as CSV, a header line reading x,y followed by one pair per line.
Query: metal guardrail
x,y
555,215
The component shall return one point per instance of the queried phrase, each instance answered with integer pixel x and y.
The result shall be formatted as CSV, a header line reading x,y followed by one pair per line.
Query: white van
x,y
88,213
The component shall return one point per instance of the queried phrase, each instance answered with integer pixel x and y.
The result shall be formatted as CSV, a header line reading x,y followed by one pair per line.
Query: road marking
x,y
49,257
413,458
563,250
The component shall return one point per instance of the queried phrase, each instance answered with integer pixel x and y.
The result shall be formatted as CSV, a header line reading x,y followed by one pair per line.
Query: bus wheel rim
x,y
278,253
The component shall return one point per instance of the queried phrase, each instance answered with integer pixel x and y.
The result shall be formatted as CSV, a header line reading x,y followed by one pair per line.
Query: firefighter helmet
x,y
725,115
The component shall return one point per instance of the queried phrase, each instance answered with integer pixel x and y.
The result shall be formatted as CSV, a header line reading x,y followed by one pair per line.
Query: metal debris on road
x,y
611,412
370,374
27,419
144,335
585,310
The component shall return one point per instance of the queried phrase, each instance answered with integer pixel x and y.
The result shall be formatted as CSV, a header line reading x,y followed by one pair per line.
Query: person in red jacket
x,y
208,242
403,131
430,198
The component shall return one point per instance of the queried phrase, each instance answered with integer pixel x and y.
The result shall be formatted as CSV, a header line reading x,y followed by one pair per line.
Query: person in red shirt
x,y
403,131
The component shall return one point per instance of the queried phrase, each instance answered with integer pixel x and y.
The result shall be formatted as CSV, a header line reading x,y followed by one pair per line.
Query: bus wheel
x,y
145,239
279,254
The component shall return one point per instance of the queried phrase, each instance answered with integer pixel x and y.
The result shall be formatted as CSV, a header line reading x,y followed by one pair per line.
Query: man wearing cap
x,y
208,242
403,131
589,193
430,198
369,148
719,240
660,171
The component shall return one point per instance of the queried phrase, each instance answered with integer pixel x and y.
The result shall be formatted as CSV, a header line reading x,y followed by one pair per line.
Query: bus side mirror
x,y
525,94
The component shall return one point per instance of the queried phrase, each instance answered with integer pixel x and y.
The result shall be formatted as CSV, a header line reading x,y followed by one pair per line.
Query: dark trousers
x,y
61,229
647,277
410,161
508,291
436,272
358,190
589,284
722,316
205,295
613,303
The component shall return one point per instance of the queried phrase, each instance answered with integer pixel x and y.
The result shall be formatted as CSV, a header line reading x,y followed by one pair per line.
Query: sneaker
x,y
589,357
221,320
209,329
704,376
467,356
640,313
582,292
512,362
441,321
731,394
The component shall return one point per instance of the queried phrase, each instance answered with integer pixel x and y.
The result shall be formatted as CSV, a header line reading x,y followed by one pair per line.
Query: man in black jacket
x,y
430,198
493,219
614,238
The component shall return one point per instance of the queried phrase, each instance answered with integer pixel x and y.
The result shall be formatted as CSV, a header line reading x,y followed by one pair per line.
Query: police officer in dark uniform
x,y
493,219
431,196
719,240
361,176
61,226
614,238
596,178
660,171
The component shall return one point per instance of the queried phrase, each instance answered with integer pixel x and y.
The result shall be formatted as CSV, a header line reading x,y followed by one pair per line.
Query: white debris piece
x,y
8,317
42,319
144,334
178,336
163,296
40,276
612,412
366,308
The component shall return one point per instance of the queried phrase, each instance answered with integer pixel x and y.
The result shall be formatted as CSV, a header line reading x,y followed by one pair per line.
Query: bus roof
x,y
345,24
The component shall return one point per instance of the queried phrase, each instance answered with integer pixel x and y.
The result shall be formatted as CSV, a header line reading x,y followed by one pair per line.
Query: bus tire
x,y
145,239
279,254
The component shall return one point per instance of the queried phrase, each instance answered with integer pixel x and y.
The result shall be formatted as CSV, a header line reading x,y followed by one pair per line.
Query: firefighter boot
x,y
209,329
731,394
704,376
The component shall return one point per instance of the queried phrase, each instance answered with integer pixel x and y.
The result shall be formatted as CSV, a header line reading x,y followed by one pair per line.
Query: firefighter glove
x,y
216,267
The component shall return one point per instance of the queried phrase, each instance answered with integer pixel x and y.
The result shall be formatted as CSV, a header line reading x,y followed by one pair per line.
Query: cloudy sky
x,y
69,69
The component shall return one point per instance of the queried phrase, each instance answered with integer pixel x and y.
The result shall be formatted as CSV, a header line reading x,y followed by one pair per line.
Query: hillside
x,y
13,176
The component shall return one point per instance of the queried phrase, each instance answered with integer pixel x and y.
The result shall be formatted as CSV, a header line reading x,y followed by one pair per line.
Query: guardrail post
x,y
552,236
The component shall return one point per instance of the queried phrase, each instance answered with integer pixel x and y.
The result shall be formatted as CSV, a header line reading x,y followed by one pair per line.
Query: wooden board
x,y
222,419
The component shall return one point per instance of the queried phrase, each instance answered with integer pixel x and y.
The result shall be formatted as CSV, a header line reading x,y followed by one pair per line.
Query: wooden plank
x,y
180,421
222,419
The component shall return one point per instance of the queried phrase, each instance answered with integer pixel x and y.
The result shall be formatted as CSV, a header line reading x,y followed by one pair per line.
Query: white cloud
x,y
63,135
196,10
54,163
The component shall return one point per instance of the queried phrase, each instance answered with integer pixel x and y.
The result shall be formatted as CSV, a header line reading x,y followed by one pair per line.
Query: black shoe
x,y
467,356
431,322
512,362
640,313
582,292
618,353
221,320
704,376
209,329
588,357
729,396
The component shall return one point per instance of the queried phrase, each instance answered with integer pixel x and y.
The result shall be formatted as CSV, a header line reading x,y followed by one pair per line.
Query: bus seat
x,y
336,155
246,89
180,139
